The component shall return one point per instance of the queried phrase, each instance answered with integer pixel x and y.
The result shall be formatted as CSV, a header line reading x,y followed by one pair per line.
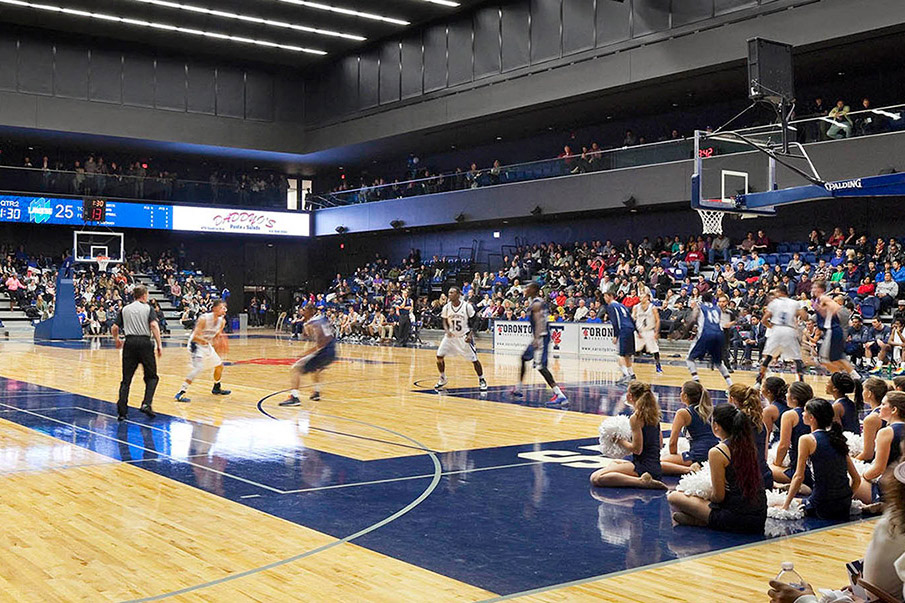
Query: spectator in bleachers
x,y
842,124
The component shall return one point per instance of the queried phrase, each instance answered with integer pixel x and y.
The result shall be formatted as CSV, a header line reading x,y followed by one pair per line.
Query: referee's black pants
x,y
137,350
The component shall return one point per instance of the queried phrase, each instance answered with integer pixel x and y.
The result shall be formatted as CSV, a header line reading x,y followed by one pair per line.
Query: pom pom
x,y
776,499
860,466
855,443
612,429
777,527
614,524
771,456
682,445
697,483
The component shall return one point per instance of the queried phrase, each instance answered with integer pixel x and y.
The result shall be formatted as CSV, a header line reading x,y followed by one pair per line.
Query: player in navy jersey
x,y
537,313
830,315
317,358
709,340
623,335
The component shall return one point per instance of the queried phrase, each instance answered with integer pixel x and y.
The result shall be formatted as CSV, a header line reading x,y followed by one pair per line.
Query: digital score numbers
x,y
94,210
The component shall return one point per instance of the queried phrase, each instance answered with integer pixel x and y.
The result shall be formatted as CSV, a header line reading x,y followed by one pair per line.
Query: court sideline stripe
x,y
437,476
543,589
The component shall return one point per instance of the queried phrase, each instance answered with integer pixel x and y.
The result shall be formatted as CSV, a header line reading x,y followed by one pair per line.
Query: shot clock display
x,y
94,210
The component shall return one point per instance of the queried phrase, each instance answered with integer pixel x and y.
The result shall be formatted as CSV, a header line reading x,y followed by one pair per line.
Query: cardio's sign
x,y
238,221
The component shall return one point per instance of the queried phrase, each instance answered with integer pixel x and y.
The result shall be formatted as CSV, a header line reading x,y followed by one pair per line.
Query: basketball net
x,y
712,220
102,262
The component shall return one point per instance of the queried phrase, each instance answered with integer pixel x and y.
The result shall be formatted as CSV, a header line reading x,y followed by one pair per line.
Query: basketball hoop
x,y
102,262
712,220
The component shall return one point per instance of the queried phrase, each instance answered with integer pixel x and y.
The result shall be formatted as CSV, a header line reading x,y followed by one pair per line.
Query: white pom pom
x,y
776,499
697,483
771,456
777,527
860,466
855,443
612,429
682,445
614,524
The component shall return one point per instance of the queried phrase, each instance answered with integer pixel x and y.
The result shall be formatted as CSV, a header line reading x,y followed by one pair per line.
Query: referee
x,y
139,322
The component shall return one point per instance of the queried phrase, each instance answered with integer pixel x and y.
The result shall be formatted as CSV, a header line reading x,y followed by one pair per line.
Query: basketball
x,y
221,344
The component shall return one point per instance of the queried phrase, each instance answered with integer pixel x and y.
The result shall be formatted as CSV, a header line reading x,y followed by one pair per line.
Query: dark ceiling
x,y
288,24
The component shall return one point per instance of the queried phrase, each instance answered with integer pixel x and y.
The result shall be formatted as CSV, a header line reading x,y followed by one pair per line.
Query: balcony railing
x,y
156,187
811,129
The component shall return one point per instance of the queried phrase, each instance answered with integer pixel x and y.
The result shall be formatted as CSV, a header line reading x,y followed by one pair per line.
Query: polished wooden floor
x,y
82,525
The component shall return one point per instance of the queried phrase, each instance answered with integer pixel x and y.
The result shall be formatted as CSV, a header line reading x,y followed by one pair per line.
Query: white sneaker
x,y
483,385
441,383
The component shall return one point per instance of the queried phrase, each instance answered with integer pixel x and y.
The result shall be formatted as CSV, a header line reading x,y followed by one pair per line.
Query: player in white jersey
x,y
457,337
206,339
647,326
783,339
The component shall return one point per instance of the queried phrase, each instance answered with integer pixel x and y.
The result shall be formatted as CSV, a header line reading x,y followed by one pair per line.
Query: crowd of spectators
x,y
868,274
30,282
826,123
129,178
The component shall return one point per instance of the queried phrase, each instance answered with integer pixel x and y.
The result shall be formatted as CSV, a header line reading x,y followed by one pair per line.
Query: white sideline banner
x,y
515,336
596,339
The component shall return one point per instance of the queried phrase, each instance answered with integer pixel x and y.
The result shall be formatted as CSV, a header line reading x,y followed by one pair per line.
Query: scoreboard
x,y
115,214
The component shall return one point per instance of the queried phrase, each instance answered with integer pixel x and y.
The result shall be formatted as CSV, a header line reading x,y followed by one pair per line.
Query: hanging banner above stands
x,y
69,212
584,339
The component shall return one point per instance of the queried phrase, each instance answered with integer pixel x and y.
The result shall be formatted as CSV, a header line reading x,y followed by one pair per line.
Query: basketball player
x,y
832,349
208,330
537,313
781,319
623,335
709,339
457,337
647,321
317,358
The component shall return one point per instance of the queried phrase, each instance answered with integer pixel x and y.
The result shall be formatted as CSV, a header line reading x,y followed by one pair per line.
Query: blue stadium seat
x,y
870,306
784,259
809,257
771,258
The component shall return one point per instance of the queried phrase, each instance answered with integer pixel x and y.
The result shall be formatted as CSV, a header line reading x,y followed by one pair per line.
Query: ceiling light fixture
x,y
346,11
161,26
249,19
443,2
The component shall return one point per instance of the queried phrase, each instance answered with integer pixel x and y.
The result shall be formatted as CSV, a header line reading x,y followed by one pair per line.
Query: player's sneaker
x,y
482,384
624,380
219,391
516,393
876,371
315,396
899,371
441,383
560,400
291,401
180,397
659,368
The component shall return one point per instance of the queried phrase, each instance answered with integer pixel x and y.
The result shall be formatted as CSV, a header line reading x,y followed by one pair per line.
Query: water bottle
x,y
788,575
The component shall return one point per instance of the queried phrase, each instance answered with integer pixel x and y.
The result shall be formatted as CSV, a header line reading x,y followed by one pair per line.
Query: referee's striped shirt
x,y
135,319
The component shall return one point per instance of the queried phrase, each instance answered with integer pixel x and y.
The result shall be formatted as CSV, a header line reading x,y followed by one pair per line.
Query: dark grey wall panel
x,y
138,80
728,6
515,36
105,80
230,93
170,91
460,65
70,72
691,11
289,98
202,89
390,72
435,58
369,80
650,16
347,89
546,30
9,50
35,66
411,67
613,22
486,41
259,96
577,25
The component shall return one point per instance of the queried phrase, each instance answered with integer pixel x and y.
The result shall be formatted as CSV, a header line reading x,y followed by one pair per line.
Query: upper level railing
x,y
810,129
254,191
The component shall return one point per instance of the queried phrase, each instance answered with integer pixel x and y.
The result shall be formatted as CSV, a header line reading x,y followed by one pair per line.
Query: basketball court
x,y
383,490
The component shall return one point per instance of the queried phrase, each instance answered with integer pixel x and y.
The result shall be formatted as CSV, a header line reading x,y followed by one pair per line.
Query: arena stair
x,y
15,322
170,312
